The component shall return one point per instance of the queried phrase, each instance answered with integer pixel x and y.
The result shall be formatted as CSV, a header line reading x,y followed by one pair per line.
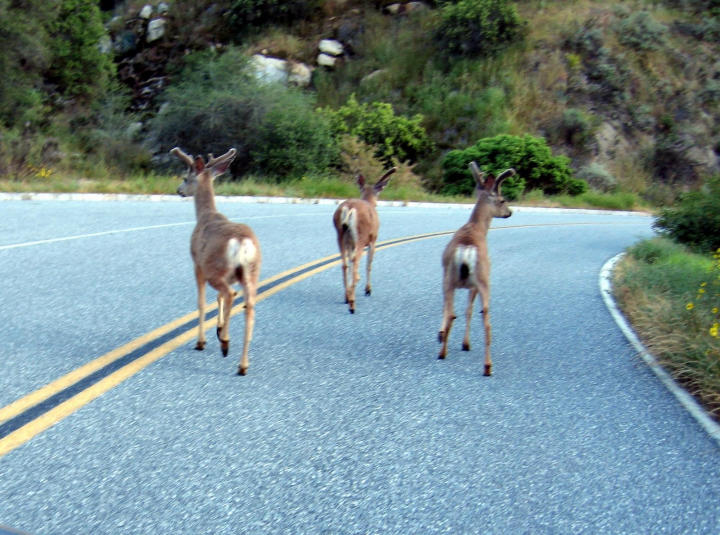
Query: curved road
x,y
345,424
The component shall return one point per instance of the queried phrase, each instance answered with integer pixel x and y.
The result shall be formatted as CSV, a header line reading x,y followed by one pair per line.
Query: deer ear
x,y
199,164
360,180
489,183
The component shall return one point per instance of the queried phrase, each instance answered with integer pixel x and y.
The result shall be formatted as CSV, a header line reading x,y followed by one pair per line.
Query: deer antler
x,y
177,151
212,160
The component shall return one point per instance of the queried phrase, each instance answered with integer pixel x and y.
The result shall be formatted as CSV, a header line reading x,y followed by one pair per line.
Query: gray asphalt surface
x,y
345,424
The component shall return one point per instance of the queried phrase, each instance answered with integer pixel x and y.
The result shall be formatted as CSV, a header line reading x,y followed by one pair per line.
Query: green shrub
x,y
248,15
530,156
598,177
695,219
78,66
640,31
217,104
478,27
576,127
376,124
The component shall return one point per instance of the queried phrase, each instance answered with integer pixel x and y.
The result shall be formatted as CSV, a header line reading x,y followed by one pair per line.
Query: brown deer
x,y
356,223
465,260
223,252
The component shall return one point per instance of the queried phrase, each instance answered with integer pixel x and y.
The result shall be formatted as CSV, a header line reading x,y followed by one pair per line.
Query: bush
x,y
695,219
598,177
530,156
478,27
78,66
376,124
576,128
640,31
249,15
218,104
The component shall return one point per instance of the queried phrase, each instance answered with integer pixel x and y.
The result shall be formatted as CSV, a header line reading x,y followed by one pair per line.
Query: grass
x,y
308,187
671,297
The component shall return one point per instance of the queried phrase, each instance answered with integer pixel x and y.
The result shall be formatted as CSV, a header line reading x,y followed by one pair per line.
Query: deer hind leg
x,y
200,280
249,291
485,296
447,320
355,259
468,316
344,256
370,255
225,302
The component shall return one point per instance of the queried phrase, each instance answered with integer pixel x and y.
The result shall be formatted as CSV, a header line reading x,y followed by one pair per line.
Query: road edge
x,y
683,396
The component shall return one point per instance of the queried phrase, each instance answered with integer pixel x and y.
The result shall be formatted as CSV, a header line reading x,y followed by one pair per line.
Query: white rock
x,y
146,12
155,30
331,47
300,74
325,60
270,69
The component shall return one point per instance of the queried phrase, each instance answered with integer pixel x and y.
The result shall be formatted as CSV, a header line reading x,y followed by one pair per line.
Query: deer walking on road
x,y
356,223
466,263
223,252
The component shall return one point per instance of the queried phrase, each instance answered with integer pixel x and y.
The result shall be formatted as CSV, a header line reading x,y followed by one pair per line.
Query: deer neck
x,y
370,198
204,199
481,216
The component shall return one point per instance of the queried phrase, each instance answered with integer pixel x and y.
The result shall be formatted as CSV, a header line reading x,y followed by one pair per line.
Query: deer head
x,y
489,190
198,170
369,192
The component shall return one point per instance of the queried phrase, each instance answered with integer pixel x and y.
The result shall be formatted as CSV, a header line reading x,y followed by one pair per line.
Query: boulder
x,y
270,69
326,60
299,74
155,30
331,47
146,12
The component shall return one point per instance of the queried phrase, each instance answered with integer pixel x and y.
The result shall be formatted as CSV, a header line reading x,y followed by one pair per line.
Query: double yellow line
x,y
34,413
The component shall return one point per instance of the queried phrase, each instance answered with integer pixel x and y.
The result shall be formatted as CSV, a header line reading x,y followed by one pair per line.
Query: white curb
x,y
687,401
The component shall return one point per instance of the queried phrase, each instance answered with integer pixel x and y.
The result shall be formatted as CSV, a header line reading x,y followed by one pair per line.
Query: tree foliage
x,y
217,103
530,156
695,219
376,124
478,27
79,67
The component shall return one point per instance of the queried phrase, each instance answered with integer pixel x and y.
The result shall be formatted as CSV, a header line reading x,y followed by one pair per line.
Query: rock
x,y
270,69
155,30
146,12
125,43
331,47
407,7
299,74
325,60
163,8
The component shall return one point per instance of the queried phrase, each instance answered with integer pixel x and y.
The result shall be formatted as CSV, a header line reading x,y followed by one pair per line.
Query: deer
x,y
466,263
223,252
356,223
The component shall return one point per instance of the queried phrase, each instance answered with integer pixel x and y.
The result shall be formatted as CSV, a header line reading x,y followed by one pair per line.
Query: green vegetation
x,y
672,298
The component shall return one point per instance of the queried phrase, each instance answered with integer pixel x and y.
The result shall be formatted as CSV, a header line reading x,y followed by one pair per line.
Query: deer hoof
x,y
352,307
466,346
441,356
368,291
242,371
200,346
488,370
225,347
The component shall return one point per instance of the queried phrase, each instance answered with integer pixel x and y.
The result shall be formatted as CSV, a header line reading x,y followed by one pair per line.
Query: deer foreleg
x,y
200,280
468,316
485,295
370,255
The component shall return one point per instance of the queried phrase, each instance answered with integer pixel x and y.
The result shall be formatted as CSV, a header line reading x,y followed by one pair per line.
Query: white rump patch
x,y
466,254
348,217
241,252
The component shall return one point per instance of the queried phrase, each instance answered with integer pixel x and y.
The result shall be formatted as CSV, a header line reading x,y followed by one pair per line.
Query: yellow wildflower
x,y
714,330
690,306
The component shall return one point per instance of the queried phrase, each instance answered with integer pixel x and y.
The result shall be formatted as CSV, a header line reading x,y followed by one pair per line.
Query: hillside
x,y
629,91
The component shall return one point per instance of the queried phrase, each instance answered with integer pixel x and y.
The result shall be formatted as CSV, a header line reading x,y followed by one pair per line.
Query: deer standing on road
x,y
223,252
466,263
356,222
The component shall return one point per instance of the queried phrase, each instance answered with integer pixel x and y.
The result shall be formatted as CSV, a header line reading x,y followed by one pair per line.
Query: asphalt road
x,y
345,423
